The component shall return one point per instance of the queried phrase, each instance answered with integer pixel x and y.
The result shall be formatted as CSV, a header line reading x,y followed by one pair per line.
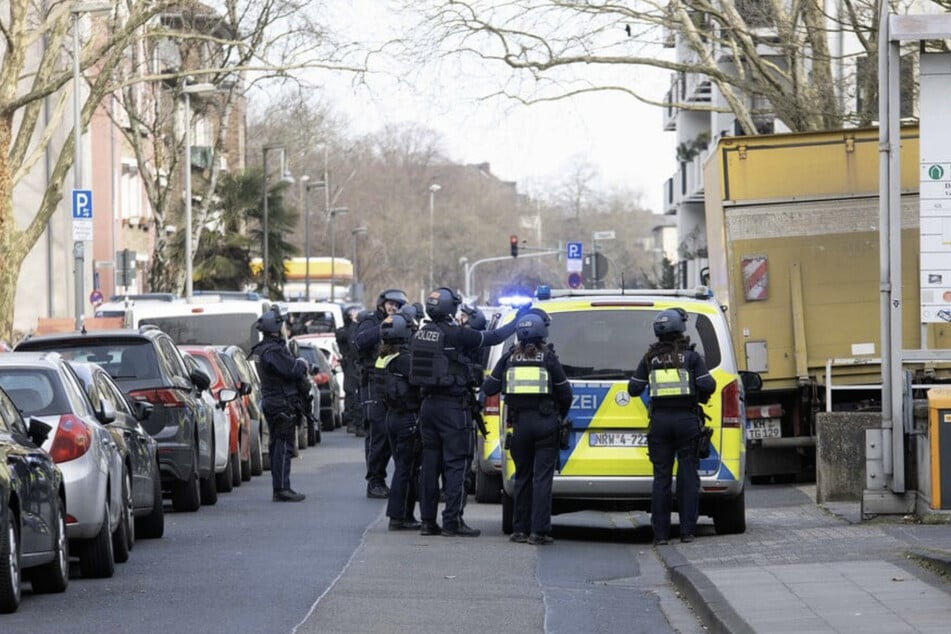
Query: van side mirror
x,y
38,431
752,381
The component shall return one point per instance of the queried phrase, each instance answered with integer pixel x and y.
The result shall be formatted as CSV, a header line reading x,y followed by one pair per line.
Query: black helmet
x,y
395,329
530,328
546,318
476,317
390,295
270,322
672,321
409,313
442,304
363,315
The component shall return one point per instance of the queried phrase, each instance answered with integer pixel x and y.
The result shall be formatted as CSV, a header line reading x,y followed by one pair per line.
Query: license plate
x,y
617,439
765,428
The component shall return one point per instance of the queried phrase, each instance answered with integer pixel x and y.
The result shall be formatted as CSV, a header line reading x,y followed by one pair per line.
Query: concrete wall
x,y
840,454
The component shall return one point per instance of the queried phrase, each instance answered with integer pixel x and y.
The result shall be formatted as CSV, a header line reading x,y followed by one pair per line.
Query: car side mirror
x,y
244,388
38,431
752,381
142,409
226,395
106,412
201,380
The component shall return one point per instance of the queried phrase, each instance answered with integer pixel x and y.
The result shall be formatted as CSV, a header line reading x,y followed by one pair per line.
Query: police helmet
x,y
672,321
391,295
442,304
477,320
395,329
530,328
410,314
363,315
546,318
270,322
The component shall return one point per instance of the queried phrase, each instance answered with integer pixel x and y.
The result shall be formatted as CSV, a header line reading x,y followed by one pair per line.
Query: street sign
x,y
574,280
574,256
82,215
603,235
95,297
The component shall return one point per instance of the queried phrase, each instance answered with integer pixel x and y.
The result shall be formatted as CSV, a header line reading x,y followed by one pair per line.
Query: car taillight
x,y
162,396
491,405
730,405
321,378
73,439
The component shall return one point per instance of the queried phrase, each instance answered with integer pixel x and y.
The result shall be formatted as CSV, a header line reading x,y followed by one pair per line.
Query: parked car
x,y
239,421
326,383
309,431
140,451
43,386
148,366
220,443
249,386
33,543
328,344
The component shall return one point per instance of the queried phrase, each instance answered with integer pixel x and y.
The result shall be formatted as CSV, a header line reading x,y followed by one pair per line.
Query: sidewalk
x,y
806,568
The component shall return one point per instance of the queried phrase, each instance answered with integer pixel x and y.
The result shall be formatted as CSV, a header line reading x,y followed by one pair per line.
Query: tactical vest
x,y
434,363
398,395
376,377
670,380
527,375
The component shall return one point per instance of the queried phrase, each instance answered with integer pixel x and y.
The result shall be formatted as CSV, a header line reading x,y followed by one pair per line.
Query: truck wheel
x,y
508,513
488,487
729,515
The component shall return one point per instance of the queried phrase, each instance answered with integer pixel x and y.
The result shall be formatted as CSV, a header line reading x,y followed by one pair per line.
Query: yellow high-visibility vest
x,y
527,379
670,383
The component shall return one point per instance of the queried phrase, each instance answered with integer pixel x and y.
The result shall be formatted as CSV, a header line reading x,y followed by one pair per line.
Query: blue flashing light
x,y
543,292
514,300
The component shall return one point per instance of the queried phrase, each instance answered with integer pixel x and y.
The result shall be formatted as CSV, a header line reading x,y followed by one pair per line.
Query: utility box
x,y
939,434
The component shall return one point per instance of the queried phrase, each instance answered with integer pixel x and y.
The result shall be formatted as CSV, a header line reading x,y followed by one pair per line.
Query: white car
x,y
328,343
98,486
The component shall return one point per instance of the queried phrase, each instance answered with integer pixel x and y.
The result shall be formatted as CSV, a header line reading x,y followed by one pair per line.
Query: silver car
x,y
98,486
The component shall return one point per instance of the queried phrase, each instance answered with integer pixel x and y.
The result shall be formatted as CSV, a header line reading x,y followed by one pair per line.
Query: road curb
x,y
703,595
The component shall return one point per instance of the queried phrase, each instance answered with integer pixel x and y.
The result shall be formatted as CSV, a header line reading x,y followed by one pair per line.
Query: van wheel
x,y
729,515
508,513
488,487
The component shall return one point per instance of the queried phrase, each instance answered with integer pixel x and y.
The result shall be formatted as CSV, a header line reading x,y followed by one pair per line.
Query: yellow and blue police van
x,y
599,336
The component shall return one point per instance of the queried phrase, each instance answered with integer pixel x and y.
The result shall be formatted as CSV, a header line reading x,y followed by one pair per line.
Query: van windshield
x,y
608,344
209,329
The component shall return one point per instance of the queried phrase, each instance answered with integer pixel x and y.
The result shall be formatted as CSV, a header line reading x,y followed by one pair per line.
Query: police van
x,y
599,337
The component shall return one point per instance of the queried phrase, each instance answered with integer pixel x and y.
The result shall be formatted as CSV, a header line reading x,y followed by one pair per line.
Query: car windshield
x,y
34,391
608,344
209,329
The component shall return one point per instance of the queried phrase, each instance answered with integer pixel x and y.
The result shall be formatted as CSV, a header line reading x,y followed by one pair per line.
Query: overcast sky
x,y
533,145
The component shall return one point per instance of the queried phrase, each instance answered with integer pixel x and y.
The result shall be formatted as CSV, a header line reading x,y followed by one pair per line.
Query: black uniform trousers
x,y
447,435
674,434
535,453
403,433
282,416
376,444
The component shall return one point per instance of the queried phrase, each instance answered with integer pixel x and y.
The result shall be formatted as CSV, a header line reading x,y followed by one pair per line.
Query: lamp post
x,y
432,195
355,295
334,212
77,10
286,177
188,90
307,188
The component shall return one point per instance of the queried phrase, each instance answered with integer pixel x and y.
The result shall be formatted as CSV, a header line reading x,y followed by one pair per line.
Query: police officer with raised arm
x,y
537,396
281,374
679,381
366,340
439,365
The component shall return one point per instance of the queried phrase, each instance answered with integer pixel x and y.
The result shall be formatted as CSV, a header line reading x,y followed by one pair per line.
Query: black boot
x,y
288,495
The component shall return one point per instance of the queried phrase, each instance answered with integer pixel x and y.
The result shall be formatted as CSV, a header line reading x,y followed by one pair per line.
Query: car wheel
x,y
257,463
96,557
246,470
317,436
53,577
235,469
122,537
302,437
326,420
223,480
209,486
187,494
488,487
729,515
152,526
10,582
508,513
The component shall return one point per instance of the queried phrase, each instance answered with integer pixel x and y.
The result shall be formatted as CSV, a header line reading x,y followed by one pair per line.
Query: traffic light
x,y
513,242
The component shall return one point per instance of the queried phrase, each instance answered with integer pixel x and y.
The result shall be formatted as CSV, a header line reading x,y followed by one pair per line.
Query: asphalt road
x,y
248,565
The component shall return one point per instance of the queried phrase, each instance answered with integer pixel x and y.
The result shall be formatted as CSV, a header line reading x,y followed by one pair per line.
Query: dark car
x,y
148,366
326,382
32,510
249,385
139,449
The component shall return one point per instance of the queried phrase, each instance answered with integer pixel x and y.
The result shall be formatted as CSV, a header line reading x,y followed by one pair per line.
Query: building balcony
x,y
686,185
669,111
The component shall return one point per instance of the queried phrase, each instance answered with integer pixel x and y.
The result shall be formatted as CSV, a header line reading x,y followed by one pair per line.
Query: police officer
x,y
366,340
351,379
679,381
281,374
402,407
537,396
440,367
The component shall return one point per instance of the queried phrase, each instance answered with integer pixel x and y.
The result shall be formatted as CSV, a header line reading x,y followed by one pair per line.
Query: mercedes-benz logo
x,y
622,398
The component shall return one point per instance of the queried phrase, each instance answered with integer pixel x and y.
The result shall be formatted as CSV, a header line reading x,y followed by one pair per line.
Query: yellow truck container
x,y
793,243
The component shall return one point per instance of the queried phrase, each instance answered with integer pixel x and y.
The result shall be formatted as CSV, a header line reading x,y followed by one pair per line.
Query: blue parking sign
x,y
82,204
573,257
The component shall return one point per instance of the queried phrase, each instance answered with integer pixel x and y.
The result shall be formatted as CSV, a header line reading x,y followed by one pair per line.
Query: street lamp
x,y
334,212
188,90
285,177
432,195
315,185
77,10
358,231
